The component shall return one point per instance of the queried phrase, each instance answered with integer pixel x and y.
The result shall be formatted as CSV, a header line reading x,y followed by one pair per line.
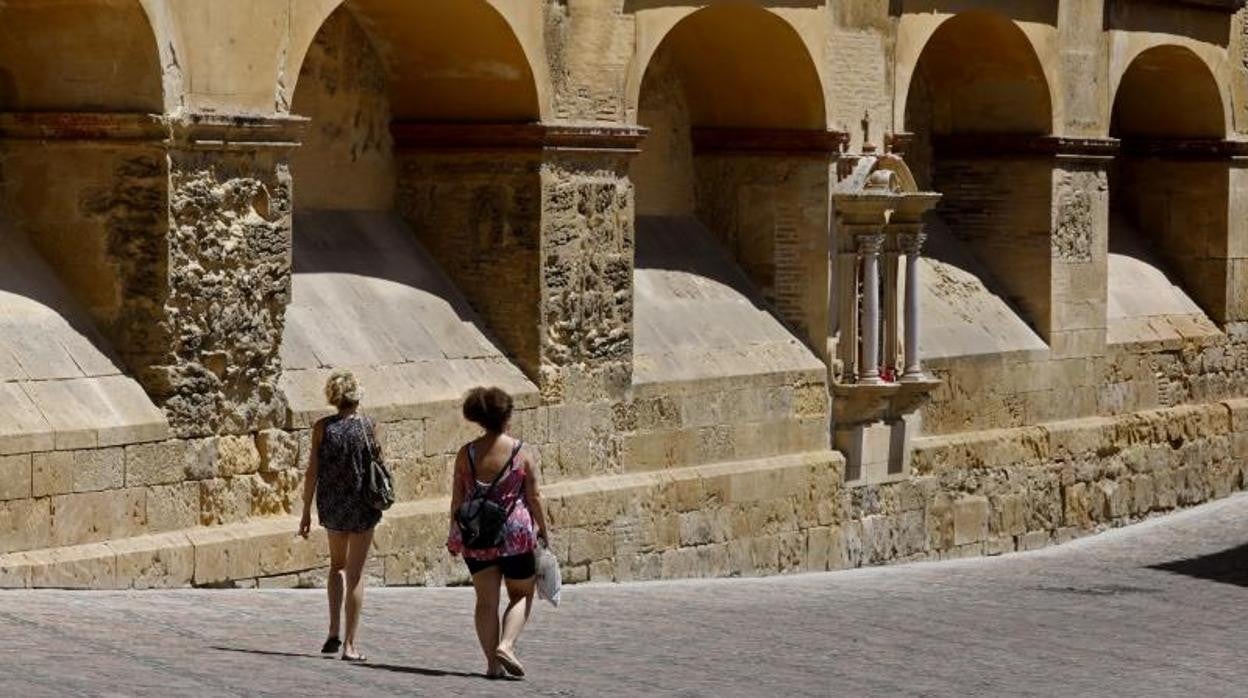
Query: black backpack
x,y
480,519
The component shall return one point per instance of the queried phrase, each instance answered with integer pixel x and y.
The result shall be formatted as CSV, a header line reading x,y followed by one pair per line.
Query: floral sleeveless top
x,y
519,533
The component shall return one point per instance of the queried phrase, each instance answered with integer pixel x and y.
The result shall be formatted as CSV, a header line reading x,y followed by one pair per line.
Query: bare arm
x,y
457,478
309,481
533,496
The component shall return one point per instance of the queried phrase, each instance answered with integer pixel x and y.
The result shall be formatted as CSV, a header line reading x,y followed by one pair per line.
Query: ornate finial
x,y
867,146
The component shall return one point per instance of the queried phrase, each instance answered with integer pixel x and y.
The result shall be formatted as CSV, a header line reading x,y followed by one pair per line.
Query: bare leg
x,y
486,583
519,604
357,555
337,561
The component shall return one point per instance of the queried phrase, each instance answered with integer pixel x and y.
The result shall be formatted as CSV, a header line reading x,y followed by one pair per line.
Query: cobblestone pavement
x,y
1157,609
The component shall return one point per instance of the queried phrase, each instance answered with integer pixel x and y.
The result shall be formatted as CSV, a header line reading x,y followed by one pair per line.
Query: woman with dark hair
x,y
342,446
495,471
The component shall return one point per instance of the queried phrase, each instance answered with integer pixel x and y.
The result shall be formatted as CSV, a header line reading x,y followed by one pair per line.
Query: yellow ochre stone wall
x,y
154,443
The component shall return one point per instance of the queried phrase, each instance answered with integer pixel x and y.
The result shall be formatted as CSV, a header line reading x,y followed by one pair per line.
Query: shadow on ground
x,y
422,671
1229,566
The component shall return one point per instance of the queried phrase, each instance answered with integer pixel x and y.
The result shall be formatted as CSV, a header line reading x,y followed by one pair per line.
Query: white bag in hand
x,y
549,579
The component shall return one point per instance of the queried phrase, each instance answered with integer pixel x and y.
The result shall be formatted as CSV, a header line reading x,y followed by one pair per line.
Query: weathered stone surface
x,y
15,477
278,451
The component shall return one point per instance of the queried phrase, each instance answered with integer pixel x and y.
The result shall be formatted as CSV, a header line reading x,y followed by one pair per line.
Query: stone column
x,y
229,266
587,250
891,319
869,247
911,237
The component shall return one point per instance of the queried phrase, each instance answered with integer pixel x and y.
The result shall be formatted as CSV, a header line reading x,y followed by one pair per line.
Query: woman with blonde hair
x,y
342,446
497,520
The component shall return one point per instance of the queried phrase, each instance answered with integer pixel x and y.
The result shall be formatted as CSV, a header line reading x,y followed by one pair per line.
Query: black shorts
x,y
520,566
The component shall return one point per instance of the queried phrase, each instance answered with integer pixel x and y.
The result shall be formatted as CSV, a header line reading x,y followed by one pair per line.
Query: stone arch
x,y
760,50
978,102
744,168
53,56
1169,198
1168,91
420,167
450,60
979,73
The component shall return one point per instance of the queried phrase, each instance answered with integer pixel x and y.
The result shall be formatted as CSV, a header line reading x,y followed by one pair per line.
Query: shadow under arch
x,y
1169,200
731,198
447,60
978,98
80,223
390,237
52,54
775,80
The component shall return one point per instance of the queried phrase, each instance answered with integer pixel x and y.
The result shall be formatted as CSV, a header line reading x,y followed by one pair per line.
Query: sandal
x,y
331,646
354,658
509,662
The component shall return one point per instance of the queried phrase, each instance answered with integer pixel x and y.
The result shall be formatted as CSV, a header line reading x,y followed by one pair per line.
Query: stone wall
x,y
1001,208
480,215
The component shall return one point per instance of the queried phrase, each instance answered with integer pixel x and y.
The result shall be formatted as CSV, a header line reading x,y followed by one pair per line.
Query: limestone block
x,y
223,554
970,519
172,507
405,439
276,493
224,500
765,553
1033,540
1077,505
447,431
79,567
96,516
24,524
587,545
15,476
280,551
695,528
15,571
879,539
1009,516
999,545
60,472
23,428
160,463
237,455
911,533
278,450
1238,413
164,561
202,461
818,549
940,522
602,571
1167,496
281,581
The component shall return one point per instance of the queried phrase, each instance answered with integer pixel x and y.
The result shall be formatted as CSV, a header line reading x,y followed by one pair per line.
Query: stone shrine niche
x,y
878,382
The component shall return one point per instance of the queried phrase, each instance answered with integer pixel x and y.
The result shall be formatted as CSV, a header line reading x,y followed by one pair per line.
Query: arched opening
x,y
977,105
80,217
78,55
731,190
711,166
401,225
1168,199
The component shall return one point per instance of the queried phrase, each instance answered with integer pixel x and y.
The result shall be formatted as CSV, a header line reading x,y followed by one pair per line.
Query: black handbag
x,y
482,520
378,482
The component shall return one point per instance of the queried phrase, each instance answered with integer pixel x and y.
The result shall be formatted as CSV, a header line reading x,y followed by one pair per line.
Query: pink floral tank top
x,y
519,534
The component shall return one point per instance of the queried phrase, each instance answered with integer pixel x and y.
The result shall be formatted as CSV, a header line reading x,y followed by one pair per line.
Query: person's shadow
x,y
421,671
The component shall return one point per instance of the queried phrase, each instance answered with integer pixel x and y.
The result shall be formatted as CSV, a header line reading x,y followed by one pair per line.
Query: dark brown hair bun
x,y
488,407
